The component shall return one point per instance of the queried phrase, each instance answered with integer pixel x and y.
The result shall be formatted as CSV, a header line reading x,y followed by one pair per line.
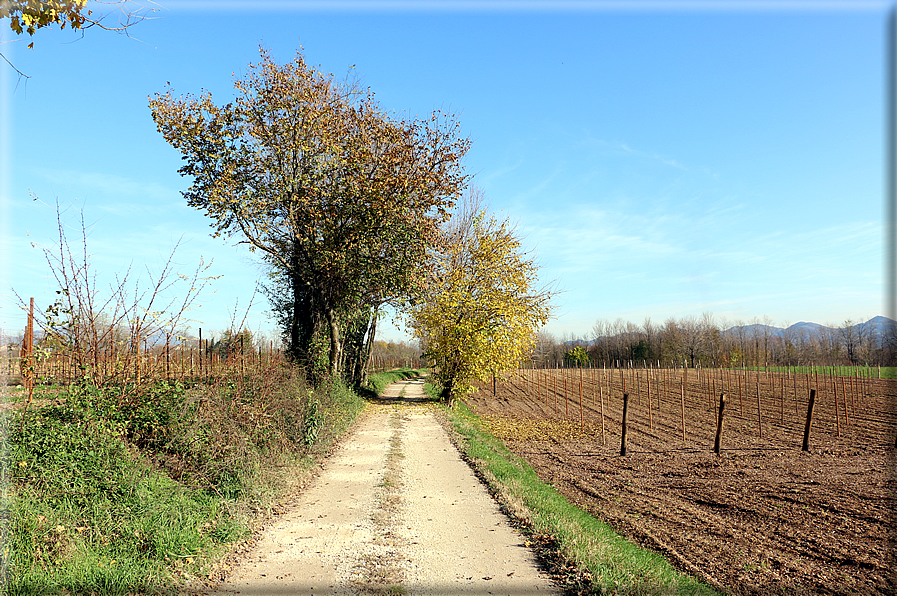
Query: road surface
x,y
394,511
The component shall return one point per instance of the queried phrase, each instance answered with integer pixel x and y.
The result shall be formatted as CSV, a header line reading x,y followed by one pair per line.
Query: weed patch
x,y
121,489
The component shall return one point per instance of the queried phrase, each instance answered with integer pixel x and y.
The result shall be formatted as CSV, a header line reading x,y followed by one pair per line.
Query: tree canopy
x,y
480,310
341,198
577,356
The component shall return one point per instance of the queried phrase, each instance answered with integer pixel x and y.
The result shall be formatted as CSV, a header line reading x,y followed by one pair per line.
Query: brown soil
x,y
763,516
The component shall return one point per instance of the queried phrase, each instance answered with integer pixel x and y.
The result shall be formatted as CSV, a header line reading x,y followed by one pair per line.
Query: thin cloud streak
x,y
109,184
519,6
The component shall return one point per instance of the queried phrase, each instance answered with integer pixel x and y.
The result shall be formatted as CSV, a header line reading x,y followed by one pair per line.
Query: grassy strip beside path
x,y
609,562
144,495
379,381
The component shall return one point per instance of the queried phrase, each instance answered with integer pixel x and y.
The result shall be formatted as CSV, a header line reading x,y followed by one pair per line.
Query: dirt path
x,y
395,511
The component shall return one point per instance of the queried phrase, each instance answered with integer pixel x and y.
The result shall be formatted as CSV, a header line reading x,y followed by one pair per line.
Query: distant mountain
x,y
877,325
809,328
756,330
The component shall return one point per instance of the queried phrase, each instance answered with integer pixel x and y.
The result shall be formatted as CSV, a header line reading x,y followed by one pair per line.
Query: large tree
x,y
480,310
342,198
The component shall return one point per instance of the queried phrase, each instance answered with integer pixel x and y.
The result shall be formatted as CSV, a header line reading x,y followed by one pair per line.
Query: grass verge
x,y
379,381
123,490
606,563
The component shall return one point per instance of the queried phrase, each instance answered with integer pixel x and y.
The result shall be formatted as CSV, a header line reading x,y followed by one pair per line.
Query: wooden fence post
x,y
794,386
581,424
601,398
837,414
682,407
759,409
719,423
809,423
846,415
167,359
566,399
782,395
26,360
638,387
554,379
625,416
137,357
650,409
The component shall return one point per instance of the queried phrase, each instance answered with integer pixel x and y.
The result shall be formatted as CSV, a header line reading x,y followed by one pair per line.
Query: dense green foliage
x,y
577,356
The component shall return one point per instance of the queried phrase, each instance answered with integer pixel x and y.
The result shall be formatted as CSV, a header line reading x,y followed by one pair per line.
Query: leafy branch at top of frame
x,y
28,16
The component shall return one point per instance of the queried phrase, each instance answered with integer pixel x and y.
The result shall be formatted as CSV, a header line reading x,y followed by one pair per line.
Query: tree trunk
x,y
335,346
295,330
448,395
365,358
356,347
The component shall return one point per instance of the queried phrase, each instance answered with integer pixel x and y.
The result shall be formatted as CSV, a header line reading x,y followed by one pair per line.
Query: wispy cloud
x,y
540,190
848,240
108,184
588,236
664,259
622,149
652,155
547,6
486,178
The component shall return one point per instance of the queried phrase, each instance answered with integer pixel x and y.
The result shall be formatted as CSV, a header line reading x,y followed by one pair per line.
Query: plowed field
x,y
763,516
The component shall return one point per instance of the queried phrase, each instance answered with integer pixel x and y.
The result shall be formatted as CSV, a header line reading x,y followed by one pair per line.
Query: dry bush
x,y
101,333
224,430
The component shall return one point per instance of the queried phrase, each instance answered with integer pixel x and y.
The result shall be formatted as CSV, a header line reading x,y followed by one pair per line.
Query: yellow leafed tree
x,y
480,310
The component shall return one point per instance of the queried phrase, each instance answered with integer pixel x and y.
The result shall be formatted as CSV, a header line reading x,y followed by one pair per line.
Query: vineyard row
x,y
682,404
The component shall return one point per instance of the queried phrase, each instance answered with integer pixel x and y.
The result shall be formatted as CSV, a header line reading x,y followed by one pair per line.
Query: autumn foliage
x,y
342,199
481,308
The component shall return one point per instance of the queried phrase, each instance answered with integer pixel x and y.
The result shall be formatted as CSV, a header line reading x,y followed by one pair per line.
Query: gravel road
x,y
394,511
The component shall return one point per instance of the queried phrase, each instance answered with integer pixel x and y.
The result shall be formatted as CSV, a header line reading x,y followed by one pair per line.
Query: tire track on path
x,y
394,511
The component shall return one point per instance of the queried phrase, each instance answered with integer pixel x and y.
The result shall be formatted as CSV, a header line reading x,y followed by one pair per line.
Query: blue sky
x,y
662,159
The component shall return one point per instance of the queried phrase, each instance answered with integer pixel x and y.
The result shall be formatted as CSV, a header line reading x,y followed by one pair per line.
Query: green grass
x,y
887,372
121,490
379,381
86,513
16,392
615,565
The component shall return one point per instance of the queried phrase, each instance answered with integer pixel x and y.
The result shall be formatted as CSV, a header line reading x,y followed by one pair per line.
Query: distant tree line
x,y
704,341
395,351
